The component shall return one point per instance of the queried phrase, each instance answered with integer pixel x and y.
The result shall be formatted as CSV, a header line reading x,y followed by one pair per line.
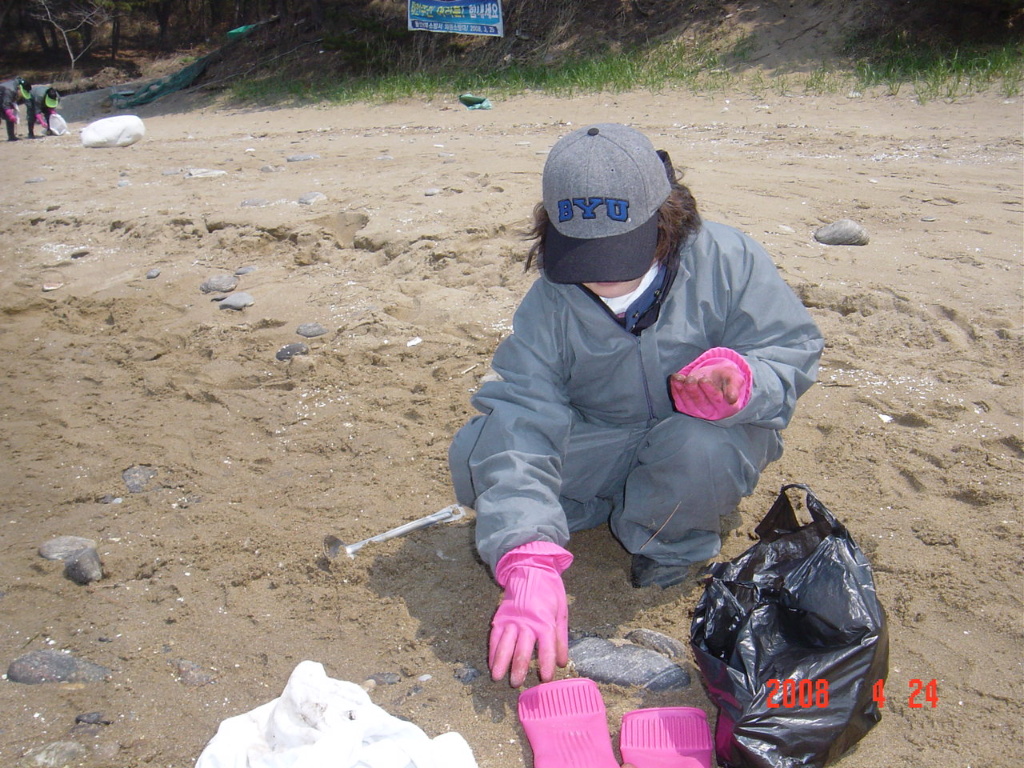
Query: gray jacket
x,y
568,359
9,93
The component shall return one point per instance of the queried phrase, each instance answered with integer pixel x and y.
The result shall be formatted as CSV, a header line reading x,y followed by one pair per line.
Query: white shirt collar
x,y
620,304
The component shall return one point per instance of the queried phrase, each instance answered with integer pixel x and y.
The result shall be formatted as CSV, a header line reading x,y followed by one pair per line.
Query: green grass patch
x,y
671,65
940,71
890,65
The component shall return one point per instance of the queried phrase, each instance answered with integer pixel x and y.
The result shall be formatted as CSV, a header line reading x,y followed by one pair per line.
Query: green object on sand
x,y
474,102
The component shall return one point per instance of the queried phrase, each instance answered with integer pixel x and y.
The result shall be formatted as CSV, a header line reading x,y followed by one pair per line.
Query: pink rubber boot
x,y
666,737
566,724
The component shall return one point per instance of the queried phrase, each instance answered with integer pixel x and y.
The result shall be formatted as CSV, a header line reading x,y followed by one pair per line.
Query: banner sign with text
x,y
457,16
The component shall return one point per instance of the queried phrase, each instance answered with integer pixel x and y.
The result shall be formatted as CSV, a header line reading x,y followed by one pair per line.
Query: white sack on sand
x,y
119,131
318,721
58,124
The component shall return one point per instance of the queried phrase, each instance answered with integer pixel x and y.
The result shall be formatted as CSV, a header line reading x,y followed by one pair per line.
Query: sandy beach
x,y
399,230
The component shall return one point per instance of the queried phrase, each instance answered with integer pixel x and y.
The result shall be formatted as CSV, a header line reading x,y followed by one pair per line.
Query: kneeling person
x,y
650,370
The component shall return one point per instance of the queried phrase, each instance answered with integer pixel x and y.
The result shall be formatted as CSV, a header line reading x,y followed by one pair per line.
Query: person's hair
x,y
678,218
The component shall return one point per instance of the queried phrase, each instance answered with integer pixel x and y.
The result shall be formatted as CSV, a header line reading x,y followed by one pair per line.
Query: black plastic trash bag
x,y
791,642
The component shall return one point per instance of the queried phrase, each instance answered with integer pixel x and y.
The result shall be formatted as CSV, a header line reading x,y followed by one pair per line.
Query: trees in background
x,y
73,30
76,28
69,26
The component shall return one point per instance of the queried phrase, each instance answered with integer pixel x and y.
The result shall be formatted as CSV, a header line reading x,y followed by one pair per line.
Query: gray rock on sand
x,y
656,641
219,284
237,301
191,674
49,666
312,197
93,718
137,478
81,560
626,664
466,674
842,232
63,547
57,754
84,567
288,351
311,330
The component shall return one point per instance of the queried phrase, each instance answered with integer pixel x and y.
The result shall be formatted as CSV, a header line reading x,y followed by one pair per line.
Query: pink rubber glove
x,y
714,386
533,613
11,115
41,120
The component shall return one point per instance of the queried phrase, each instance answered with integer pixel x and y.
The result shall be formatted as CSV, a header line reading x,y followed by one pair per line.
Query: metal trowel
x,y
333,546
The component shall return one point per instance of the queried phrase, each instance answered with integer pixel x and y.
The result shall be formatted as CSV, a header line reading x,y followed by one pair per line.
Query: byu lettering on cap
x,y
615,209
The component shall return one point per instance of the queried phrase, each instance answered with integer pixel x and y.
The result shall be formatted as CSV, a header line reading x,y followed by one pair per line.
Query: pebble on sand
x,y
136,478
84,567
49,666
311,330
191,674
237,301
466,674
81,560
626,664
656,641
57,754
842,232
219,284
288,351
63,547
93,718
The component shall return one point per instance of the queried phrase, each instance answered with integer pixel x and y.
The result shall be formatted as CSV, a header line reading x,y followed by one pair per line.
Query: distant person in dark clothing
x,y
12,93
43,102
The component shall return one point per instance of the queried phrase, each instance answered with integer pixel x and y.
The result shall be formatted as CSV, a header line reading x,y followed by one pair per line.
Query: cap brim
x,y
613,259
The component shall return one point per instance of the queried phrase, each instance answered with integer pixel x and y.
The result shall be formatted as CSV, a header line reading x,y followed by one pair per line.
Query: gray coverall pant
x,y
662,488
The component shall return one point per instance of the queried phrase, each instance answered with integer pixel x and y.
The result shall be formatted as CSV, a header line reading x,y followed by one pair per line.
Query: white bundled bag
x,y
120,131
58,124
318,721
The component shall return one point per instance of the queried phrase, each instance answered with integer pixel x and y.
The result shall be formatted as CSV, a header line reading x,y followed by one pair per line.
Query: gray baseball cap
x,y
602,188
